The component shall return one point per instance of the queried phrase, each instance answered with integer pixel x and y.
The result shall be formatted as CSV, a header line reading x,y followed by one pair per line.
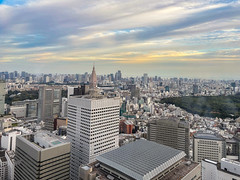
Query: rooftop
x,y
46,140
173,121
141,159
93,97
208,136
182,170
43,140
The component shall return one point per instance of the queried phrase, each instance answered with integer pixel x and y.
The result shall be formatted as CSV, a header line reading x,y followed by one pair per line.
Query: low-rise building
x,y
226,170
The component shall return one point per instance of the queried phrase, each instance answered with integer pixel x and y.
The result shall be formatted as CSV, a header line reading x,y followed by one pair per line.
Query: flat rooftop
x,y
93,97
141,159
208,136
46,140
182,170
43,140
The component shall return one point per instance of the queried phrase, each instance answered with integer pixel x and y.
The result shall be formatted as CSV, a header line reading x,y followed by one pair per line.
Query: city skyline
x,y
168,39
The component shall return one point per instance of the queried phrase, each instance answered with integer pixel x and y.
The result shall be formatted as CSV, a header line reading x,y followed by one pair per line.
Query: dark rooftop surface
x,y
208,136
138,158
182,170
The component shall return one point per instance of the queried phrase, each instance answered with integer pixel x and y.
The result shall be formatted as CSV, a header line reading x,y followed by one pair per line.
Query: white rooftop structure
x,y
142,159
230,165
46,140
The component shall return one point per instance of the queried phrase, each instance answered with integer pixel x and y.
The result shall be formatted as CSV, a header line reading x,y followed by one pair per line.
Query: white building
x,y
93,126
64,107
70,91
3,166
8,141
10,162
228,169
208,146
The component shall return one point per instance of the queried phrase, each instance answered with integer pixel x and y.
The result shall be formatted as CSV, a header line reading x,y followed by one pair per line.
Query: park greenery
x,y
209,106
24,95
20,96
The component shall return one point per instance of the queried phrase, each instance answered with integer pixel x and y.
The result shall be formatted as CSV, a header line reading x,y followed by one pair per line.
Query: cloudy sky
x,y
174,38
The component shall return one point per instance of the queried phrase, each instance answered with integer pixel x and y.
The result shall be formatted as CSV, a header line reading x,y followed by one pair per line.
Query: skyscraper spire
x,y
93,79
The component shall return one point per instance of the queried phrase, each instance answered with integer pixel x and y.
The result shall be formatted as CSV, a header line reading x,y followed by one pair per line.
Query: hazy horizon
x,y
177,38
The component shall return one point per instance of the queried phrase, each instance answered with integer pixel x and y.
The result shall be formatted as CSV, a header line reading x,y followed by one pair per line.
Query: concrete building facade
x,y
3,166
42,156
49,107
10,163
93,128
226,170
170,131
208,146
8,140
31,107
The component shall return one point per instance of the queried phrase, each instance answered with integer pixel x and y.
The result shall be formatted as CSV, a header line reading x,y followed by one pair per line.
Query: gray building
x,y
170,131
41,156
31,107
2,96
208,146
141,160
49,105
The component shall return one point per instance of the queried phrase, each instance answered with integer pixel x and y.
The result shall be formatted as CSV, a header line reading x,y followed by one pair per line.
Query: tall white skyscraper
x,y
93,126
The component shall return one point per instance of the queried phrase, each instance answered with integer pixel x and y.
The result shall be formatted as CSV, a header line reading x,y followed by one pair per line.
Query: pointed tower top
x,y
93,79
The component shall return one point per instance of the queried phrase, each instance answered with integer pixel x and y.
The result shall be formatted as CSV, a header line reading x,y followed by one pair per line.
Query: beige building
x,y
208,146
42,156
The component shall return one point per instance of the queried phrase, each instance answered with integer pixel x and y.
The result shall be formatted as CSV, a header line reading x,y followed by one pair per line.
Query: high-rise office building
x,y
118,75
49,105
93,126
170,131
145,79
2,96
208,146
41,156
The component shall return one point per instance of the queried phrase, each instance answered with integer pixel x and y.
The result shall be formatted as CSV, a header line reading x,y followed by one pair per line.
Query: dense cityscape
x,y
119,90
89,126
